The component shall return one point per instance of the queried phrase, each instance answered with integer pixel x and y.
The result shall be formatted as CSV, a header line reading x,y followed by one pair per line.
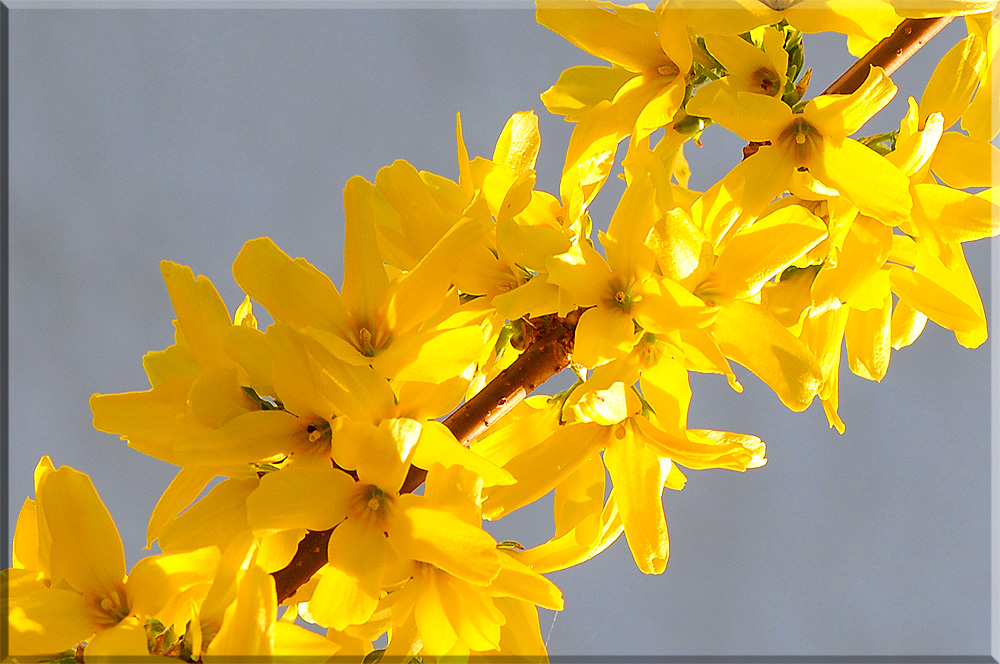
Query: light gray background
x,y
138,135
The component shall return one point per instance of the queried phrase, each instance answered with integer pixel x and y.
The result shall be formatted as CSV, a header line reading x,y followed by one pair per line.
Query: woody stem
x,y
890,53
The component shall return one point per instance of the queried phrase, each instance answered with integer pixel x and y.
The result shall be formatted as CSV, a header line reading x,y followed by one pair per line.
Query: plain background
x,y
180,133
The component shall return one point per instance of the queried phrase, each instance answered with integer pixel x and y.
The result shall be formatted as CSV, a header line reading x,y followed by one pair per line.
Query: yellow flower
x,y
749,69
651,56
78,589
624,287
375,529
815,140
436,613
373,320
639,452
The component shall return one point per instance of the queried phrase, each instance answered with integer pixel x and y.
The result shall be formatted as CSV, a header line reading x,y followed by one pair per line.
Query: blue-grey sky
x,y
180,133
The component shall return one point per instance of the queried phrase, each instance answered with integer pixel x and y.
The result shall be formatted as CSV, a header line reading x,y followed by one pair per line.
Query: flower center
x,y
620,295
801,140
111,609
371,505
765,81
318,434
668,70
370,340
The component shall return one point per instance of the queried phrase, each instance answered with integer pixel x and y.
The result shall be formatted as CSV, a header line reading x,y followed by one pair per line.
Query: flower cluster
x,y
302,444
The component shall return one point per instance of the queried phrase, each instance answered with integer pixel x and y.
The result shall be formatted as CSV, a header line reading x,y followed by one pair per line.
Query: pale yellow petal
x,y
86,549
751,337
300,496
181,492
126,639
292,291
638,476
961,161
47,622
868,340
247,629
201,313
842,115
423,532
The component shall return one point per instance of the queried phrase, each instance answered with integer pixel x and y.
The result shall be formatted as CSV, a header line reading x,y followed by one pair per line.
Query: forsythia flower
x,y
816,140
69,582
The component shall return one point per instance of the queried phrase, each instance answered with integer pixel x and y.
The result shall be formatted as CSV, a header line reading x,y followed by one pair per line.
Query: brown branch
x,y
908,37
546,355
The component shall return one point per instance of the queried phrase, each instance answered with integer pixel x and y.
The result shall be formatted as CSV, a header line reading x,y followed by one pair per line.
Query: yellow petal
x,y
421,292
300,496
292,291
521,632
155,581
201,313
955,78
543,466
216,519
580,88
749,336
25,546
348,590
865,250
869,180
955,216
665,386
254,436
47,622
906,325
471,613
290,640
602,33
933,300
601,406
436,631
247,629
842,115
86,549
438,445
181,492
625,241
638,478
579,499
745,64
519,141
913,150
130,412
868,341
601,335
126,639
217,396
431,356
568,550
365,283
420,531
704,448
752,117
961,161
761,252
